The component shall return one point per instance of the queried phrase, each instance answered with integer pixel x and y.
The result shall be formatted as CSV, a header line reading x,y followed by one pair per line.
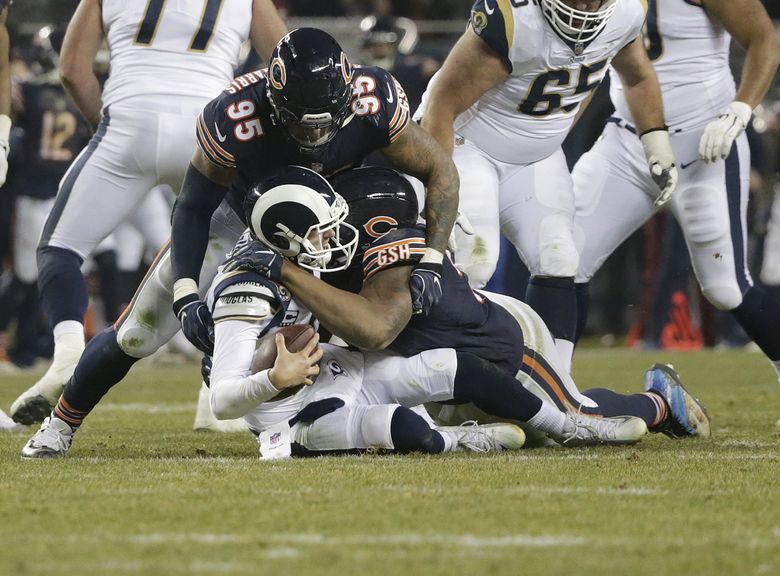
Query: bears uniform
x,y
614,193
463,319
239,127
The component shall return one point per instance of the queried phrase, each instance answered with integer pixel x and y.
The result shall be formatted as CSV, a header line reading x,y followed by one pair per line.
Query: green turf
x,y
140,493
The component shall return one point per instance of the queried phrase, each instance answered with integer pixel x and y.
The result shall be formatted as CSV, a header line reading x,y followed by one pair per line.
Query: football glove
x,y
425,282
205,370
256,257
462,222
720,134
196,322
660,159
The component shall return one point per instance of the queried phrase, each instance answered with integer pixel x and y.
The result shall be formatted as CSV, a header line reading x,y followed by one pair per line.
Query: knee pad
x,y
138,341
723,297
704,220
558,254
477,258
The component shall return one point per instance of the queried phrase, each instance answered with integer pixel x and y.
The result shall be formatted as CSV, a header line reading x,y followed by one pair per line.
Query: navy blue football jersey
x,y
238,129
463,319
54,133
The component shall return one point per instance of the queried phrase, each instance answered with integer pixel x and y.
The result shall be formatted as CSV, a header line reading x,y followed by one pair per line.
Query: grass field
x,y
140,493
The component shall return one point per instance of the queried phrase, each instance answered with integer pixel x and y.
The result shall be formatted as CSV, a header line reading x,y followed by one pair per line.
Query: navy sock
x,y
411,433
555,300
109,284
614,404
493,390
102,365
61,284
583,304
759,316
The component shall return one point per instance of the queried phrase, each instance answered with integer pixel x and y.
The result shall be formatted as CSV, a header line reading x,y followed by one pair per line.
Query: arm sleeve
x,y
234,391
190,223
493,21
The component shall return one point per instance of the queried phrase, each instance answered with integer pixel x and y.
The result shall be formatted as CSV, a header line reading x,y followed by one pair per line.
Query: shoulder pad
x,y
493,21
244,301
403,246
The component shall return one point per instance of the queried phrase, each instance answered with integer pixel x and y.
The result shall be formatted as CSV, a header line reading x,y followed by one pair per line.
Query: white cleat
x,y
51,441
8,425
205,421
583,430
486,437
36,403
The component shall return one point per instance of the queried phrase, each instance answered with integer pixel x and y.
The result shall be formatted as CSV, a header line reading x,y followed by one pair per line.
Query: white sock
x,y
69,327
549,419
565,350
450,441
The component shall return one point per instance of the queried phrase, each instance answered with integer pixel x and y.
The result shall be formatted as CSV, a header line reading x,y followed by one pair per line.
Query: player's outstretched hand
x,y
295,368
256,257
196,322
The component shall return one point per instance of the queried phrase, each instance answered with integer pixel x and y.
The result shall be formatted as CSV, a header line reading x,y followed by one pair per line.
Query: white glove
x,y
660,158
5,131
462,222
720,134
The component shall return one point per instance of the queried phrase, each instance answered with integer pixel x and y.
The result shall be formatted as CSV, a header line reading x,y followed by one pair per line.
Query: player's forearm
x,y
84,89
236,397
350,316
441,205
644,102
439,124
190,223
267,28
759,69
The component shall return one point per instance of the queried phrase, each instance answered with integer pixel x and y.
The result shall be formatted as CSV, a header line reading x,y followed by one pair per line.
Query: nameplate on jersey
x,y
243,301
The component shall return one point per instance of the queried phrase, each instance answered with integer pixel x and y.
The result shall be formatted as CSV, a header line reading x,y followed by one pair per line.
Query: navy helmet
x,y
310,87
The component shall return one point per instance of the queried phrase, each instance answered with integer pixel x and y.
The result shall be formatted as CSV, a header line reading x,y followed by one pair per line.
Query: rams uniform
x,y
507,147
613,187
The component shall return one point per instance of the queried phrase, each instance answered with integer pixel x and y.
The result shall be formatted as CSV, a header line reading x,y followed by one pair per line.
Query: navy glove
x,y
196,322
425,286
256,257
205,370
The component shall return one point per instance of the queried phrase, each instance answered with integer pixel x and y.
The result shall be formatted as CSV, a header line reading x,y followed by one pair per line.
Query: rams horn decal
x,y
278,74
370,226
346,68
479,20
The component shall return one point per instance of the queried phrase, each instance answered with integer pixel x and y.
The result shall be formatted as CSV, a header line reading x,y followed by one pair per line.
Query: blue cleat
x,y
686,414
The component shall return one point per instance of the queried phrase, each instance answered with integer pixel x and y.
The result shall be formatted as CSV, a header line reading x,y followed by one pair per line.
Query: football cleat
x,y
485,437
583,430
51,441
686,415
36,403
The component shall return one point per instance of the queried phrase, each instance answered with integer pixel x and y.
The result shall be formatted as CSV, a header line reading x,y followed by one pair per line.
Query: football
x,y
295,338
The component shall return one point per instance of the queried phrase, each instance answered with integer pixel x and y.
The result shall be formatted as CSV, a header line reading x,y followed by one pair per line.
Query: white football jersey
x,y
526,117
690,53
172,48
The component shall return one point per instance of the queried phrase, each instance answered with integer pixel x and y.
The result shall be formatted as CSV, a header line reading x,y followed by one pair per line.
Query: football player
x,y
496,340
298,214
688,43
310,109
167,61
503,102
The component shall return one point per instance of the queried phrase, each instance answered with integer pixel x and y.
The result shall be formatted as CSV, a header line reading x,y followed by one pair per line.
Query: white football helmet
x,y
298,214
577,25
